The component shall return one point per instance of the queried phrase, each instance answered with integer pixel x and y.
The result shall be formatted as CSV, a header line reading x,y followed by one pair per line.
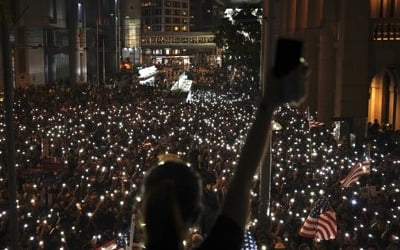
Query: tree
x,y
5,13
239,36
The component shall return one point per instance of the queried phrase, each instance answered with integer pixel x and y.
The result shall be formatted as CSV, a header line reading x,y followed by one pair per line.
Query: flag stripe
x,y
321,222
314,123
322,234
309,228
327,223
356,171
353,179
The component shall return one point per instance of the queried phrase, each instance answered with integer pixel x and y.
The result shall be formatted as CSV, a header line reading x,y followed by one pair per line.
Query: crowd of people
x,y
82,152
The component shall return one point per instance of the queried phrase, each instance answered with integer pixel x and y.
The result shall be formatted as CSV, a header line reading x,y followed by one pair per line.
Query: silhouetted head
x,y
172,202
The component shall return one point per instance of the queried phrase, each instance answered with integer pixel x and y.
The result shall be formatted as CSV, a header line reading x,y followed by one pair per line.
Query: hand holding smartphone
x,y
290,68
287,56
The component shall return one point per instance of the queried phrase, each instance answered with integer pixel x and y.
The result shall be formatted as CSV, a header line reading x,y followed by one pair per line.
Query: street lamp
x,y
275,126
265,180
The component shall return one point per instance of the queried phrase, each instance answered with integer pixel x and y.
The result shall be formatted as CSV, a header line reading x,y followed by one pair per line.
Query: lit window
x,y
176,28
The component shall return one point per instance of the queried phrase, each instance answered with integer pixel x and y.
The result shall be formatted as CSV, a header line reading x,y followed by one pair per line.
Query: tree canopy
x,y
5,11
239,35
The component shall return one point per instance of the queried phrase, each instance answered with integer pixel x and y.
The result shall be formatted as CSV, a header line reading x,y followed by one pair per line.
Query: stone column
x,y
311,48
375,96
1,61
352,78
327,62
72,37
291,17
396,124
282,19
301,18
392,103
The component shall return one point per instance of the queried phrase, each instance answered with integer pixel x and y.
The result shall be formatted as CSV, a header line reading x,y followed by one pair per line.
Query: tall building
x,y
88,41
165,16
167,38
41,43
204,14
131,32
62,41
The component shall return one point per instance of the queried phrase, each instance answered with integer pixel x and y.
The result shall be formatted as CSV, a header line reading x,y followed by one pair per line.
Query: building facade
x,y
86,41
353,54
167,38
352,48
131,31
62,41
204,14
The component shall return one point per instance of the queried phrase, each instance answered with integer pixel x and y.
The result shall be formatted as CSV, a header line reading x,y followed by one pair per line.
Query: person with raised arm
x,y
172,191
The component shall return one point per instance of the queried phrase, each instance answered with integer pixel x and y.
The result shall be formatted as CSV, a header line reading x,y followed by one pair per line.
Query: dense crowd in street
x,y
82,152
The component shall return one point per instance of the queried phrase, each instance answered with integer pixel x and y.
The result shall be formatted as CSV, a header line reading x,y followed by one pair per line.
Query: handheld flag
x,y
312,123
356,171
321,222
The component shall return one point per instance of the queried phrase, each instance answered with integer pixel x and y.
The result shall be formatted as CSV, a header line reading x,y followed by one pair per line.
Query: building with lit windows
x,y
204,15
131,31
58,41
85,41
165,15
167,38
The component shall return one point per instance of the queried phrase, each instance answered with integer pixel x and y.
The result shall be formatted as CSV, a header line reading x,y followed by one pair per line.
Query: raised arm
x,y
236,203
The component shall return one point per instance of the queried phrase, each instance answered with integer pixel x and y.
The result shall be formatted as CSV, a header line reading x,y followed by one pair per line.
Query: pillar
x,y
291,17
301,18
352,68
311,48
327,62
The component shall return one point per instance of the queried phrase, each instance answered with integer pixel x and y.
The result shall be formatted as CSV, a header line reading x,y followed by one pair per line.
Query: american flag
x,y
321,222
249,242
356,171
314,124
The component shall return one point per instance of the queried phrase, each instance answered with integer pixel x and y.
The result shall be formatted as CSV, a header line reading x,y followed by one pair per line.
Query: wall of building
x,y
51,48
33,44
337,47
1,64
385,53
131,35
352,83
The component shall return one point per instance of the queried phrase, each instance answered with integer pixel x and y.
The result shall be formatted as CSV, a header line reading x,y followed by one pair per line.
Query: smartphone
x,y
287,55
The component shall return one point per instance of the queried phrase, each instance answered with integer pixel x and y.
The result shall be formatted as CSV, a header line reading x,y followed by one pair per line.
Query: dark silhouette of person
x,y
172,191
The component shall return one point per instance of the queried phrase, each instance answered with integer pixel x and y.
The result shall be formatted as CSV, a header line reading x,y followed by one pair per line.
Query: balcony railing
x,y
385,29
